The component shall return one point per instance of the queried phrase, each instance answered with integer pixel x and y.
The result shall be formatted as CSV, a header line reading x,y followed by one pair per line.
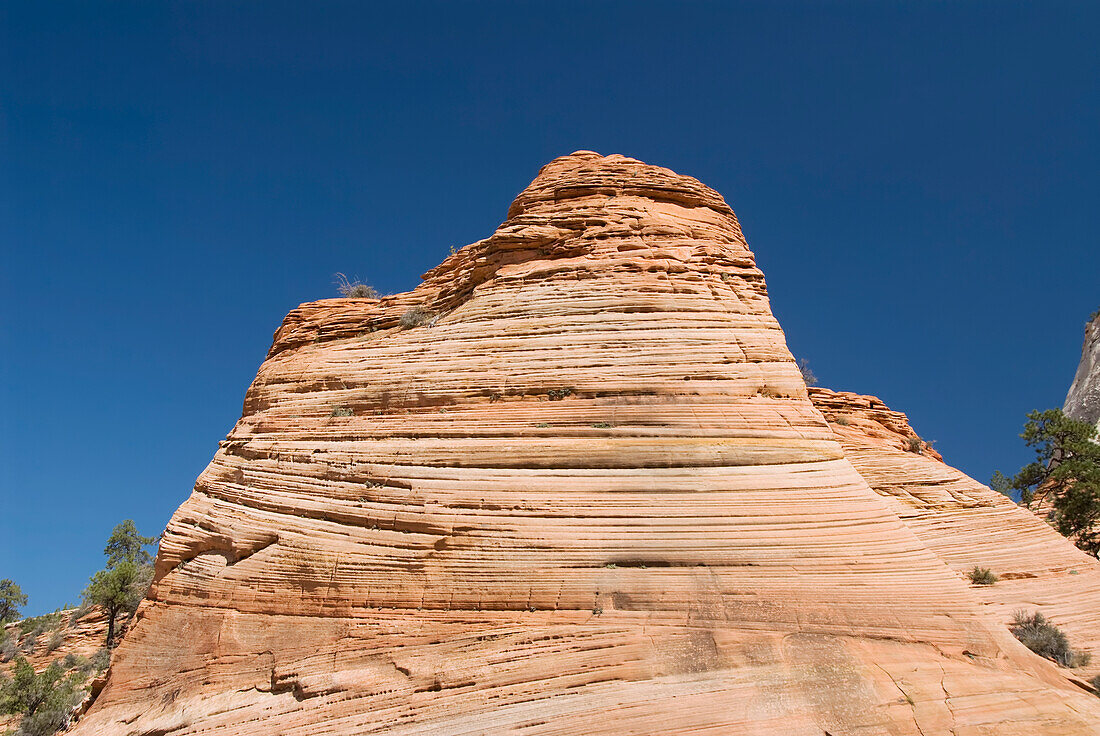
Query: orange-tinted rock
x,y
70,634
587,494
968,525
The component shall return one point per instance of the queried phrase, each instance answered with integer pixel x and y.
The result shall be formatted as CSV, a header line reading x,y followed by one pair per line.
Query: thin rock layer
x,y
571,484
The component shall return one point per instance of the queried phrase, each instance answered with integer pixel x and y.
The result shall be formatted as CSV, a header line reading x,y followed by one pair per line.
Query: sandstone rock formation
x,y
967,525
1083,399
571,484
64,635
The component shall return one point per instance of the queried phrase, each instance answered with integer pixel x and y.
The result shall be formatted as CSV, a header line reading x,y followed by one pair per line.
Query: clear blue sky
x,y
920,183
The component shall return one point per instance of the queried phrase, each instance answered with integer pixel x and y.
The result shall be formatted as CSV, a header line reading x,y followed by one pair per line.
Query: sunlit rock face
x,y
1083,399
579,489
967,525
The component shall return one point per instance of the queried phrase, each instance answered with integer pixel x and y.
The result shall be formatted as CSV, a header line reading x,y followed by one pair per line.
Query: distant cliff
x,y
1083,399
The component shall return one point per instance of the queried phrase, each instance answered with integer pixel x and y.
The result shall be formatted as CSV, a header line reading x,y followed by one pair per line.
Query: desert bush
x,y
1095,682
101,660
808,376
982,576
843,421
416,317
56,639
45,700
355,289
557,394
38,625
342,411
9,647
1045,639
78,613
914,444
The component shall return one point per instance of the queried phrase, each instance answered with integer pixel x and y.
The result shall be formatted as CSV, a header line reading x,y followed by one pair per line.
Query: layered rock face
x,y
1083,399
967,525
571,484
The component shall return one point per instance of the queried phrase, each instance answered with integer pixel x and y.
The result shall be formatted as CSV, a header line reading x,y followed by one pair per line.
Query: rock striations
x,y
1083,399
573,483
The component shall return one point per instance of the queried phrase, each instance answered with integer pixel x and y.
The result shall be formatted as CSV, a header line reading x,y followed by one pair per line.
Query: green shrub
x,y
9,647
342,411
602,425
38,625
101,660
982,576
56,640
1045,639
45,700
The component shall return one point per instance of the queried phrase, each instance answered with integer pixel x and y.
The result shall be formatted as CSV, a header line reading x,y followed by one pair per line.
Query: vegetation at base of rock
x,y
121,586
354,289
1045,639
843,421
982,576
342,411
12,599
808,376
415,317
35,626
1066,472
55,641
8,647
45,700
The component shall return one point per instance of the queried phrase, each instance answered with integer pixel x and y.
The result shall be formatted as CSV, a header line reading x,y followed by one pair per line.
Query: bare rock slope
x,y
579,489
1083,399
967,525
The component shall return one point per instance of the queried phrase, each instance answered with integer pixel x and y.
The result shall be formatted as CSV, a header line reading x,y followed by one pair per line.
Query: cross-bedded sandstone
x,y
589,495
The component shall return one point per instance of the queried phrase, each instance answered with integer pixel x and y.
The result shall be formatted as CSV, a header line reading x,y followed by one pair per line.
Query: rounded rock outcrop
x,y
589,495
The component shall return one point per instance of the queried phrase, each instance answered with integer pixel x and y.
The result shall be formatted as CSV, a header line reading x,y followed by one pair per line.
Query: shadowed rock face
x,y
587,494
1083,399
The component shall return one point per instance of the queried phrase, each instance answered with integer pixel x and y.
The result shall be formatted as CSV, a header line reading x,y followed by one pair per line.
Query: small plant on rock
x,y
915,444
808,376
982,576
1045,639
342,411
416,317
355,289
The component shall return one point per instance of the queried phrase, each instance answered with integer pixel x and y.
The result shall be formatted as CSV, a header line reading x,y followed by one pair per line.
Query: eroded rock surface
x,y
1083,399
967,525
582,490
